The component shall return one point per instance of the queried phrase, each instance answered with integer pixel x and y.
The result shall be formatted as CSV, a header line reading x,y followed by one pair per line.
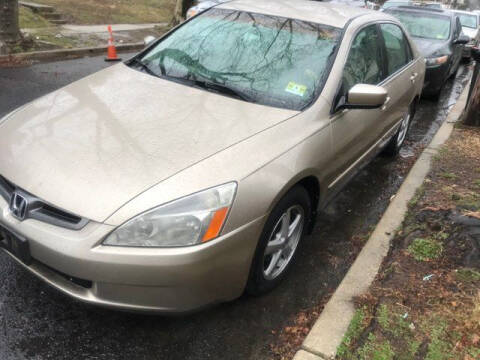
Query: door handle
x,y
385,104
413,77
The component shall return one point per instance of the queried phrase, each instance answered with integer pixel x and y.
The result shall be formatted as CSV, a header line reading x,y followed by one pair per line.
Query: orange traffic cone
x,y
111,51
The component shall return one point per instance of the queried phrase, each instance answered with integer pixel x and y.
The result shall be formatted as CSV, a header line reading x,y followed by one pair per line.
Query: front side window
x,y
424,26
469,21
267,59
397,48
364,63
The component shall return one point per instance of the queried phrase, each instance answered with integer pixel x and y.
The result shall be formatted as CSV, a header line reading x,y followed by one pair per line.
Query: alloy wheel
x,y
283,242
402,133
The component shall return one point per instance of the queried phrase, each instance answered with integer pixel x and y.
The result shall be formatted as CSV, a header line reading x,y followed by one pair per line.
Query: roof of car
x,y
464,12
313,11
422,9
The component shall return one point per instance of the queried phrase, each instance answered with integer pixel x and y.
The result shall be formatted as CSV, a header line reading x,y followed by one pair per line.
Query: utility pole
x,y
9,30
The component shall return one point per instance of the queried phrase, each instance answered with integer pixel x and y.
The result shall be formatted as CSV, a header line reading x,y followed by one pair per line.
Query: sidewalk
x,y
425,301
70,29
81,36
356,324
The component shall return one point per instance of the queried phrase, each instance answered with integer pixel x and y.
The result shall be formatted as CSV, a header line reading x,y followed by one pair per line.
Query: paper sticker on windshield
x,y
296,89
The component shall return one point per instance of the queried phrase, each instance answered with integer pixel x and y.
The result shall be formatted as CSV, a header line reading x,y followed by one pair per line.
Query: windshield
x,y
266,59
469,21
426,26
390,4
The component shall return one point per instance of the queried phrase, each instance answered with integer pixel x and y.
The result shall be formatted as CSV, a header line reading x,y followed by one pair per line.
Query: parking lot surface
x,y
37,322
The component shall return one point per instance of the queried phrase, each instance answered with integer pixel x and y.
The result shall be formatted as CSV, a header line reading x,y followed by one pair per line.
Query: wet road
x,y
37,322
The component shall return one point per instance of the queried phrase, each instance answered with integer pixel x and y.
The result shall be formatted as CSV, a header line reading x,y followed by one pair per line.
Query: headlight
x,y
436,61
191,220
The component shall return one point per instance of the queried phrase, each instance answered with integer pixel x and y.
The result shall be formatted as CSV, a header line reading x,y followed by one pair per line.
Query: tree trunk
x,y
472,113
9,31
181,8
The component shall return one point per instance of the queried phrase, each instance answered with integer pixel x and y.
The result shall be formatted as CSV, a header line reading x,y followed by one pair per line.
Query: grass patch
x,y
392,322
425,249
49,36
448,175
29,20
376,350
439,347
476,182
469,202
468,275
113,11
416,198
356,327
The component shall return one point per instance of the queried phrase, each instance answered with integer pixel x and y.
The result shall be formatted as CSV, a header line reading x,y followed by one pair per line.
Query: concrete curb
x,y
66,53
328,332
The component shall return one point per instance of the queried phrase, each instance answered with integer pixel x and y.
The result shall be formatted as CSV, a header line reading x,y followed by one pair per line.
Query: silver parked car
x,y
192,172
471,27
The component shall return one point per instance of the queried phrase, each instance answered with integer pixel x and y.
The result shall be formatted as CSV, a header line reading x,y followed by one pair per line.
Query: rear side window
x,y
396,44
364,62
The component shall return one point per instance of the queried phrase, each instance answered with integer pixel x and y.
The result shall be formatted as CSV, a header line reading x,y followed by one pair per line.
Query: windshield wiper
x,y
223,89
144,66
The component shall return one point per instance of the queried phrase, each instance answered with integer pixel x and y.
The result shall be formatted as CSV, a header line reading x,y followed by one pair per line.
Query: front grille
x,y
87,284
40,210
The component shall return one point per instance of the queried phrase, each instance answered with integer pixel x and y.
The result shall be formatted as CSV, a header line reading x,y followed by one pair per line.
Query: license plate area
x,y
15,244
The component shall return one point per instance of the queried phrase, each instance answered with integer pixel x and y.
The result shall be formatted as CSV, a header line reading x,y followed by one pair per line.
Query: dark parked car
x,y
438,36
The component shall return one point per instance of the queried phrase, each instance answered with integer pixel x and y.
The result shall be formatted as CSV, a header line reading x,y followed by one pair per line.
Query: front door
x,y
356,131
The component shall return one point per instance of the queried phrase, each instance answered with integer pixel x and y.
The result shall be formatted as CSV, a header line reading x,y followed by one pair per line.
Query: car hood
x,y
429,47
92,146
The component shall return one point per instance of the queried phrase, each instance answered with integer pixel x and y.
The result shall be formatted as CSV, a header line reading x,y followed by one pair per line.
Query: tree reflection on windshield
x,y
272,60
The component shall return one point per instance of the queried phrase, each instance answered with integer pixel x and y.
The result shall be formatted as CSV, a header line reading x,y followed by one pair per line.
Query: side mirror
x,y
364,96
462,40
148,40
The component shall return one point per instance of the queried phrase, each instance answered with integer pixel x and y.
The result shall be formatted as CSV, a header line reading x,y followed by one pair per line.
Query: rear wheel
x,y
396,143
279,241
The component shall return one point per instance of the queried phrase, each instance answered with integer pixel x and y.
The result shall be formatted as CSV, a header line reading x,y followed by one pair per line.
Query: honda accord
x,y
192,172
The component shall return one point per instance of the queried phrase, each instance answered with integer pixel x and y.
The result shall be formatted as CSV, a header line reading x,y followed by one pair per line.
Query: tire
x,y
264,275
433,95
397,141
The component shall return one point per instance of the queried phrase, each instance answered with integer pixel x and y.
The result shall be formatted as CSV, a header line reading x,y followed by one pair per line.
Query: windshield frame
x,y
392,12
318,91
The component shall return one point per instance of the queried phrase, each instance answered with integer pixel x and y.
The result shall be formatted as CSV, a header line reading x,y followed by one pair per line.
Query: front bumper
x,y
435,78
151,280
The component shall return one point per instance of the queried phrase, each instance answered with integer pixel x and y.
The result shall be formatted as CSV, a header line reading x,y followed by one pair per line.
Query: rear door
x,y
401,75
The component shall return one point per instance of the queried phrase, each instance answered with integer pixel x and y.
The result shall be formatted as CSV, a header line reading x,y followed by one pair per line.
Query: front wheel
x,y
396,143
279,241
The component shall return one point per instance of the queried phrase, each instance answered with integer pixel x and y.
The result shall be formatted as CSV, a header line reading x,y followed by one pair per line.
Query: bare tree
x,y
181,8
472,112
9,31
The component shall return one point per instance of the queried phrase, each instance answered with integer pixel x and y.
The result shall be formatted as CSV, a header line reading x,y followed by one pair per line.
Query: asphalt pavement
x,y
37,322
